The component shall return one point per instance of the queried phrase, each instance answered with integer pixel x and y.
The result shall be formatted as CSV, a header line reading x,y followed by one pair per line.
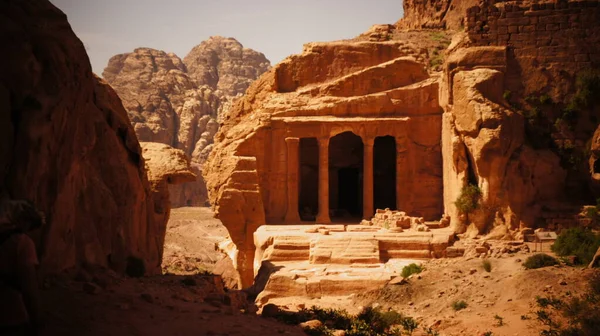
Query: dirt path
x,y
162,305
190,241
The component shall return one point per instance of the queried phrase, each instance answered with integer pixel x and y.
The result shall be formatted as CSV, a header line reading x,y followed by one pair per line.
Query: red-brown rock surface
x,y
225,66
68,145
434,14
177,102
366,89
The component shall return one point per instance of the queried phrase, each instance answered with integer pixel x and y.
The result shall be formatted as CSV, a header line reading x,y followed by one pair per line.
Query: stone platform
x,y
337,260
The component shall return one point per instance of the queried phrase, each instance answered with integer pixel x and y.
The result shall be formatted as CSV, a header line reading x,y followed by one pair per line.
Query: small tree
x,y
469,198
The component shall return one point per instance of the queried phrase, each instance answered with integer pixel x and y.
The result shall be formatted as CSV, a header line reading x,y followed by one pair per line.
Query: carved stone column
x,y
402,175
292,215
323,216
368,210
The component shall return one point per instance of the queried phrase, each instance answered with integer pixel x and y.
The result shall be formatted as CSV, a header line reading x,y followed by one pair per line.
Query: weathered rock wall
x,y
540,35
351,90
437,14
67,145
534,54
178,102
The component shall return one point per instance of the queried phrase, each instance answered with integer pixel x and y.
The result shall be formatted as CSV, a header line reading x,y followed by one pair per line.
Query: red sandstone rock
x,y
329,89
68,145
481,136
435,14
177,102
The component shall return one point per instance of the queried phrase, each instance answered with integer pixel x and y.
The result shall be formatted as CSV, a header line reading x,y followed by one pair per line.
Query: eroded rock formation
x,y
509,92
354,100
225,66
440,14
509,86
68,145
484,146
177,102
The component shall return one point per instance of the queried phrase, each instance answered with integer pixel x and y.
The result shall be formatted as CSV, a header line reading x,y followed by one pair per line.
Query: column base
x,y
323,219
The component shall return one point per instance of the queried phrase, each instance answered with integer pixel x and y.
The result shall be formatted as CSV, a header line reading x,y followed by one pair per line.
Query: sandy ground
x,y
162,305
508,291
103,303
190,241
106,304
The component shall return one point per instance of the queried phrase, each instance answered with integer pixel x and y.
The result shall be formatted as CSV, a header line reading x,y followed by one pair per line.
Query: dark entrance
x,y
349,191
384,172
345,176
308,198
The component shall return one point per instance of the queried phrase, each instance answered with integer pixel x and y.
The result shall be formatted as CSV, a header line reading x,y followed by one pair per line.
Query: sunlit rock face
x,y
178,102
359,102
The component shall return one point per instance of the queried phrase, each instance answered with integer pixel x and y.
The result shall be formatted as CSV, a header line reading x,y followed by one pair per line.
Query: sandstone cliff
x,y
178,102
225,66
365,88
68,146
520,129
518,93
439,14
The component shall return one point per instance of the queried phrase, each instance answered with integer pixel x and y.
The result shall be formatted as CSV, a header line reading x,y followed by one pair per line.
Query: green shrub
x,y
545,99
487,265
438,36
539,260
409,325
499,320
582,243
431,332
411,269
506,95
321,330
370,322
459,305
379,321
582,313
468,201
338,318
588,88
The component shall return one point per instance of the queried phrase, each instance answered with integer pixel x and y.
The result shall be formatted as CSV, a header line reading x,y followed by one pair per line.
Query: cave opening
x,y
308,191
384,173
346,176
597,167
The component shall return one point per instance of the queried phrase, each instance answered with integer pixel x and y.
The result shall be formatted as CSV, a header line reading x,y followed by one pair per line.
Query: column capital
x,y
368,141
323,141
292,139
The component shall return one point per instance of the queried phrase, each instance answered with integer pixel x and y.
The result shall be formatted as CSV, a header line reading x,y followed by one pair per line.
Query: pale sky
x,y
277,28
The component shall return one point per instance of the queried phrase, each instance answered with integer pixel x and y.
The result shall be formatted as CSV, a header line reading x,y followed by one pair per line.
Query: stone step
x,y
245,163
243,186
344,250
405,243
288,248
245,176
405,254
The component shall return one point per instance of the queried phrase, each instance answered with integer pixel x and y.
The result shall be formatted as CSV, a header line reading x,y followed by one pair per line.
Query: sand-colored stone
x,y
68,145
166,166
329,89
307,263
483,139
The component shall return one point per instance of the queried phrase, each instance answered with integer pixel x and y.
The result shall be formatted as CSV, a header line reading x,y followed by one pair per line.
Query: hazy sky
x,y
276,28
